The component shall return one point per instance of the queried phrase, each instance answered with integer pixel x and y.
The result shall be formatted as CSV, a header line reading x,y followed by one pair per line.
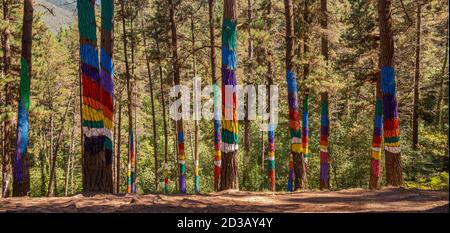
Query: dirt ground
x,y
352,200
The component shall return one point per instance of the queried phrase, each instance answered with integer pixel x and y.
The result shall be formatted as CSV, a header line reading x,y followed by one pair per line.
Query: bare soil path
x,y
352,200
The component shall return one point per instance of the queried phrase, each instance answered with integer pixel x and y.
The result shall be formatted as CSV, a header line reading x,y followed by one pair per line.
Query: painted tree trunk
x,y
131,172
325,118
394,173
217,108
197,98
229,171
179,123
324,133
376,140
270,77
97,96
296,161
21,161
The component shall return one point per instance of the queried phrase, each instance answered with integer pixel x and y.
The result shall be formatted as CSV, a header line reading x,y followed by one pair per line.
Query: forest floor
x,y
351,200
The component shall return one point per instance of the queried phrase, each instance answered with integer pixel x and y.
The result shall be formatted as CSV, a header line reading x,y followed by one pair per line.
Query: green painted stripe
x,y
391,139
107,14
229,34
24,85
271,164
86,20
295,133
93,124
229,137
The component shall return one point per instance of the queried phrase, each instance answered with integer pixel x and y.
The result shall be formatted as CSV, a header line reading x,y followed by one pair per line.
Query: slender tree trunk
x,y
217,126
131,145
441,88
150,81
8,139
376,140
415,125
297,172
270,78
325,119
21,161
119,143
179,123
68,161
249,76
394,174
196,107
163,101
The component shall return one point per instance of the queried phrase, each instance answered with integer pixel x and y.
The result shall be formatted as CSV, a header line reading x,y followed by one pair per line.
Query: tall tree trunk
x,y
150,81
197,90
229,178
325,119
415,125
217,126
270,78
394,174
179,123
163,101
119,143
97,99
131,146
7,140
305,112
297,172
69,158
249,76
21,167
376,139
441,88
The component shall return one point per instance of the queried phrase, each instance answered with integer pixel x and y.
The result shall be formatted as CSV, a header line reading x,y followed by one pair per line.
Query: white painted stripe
x,y
225,147
95,132
393,149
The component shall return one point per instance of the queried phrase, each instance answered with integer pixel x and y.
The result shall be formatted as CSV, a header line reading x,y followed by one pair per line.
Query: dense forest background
x,y
349,77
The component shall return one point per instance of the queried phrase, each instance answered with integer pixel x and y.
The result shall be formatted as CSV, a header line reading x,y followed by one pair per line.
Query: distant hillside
x,y
64,13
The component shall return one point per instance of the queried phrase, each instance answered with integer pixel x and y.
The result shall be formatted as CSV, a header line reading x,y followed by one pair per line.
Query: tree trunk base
x,y
97,173
229,178
394,175
300,179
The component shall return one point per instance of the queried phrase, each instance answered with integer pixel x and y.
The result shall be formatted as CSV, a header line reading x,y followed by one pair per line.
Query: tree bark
x,y
150,81
217,127
21,161
229,178
441,86
415,125
131,145
196,108
249,76
176,75
297,173
163,101
119,143
7,136
325,119
394,175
